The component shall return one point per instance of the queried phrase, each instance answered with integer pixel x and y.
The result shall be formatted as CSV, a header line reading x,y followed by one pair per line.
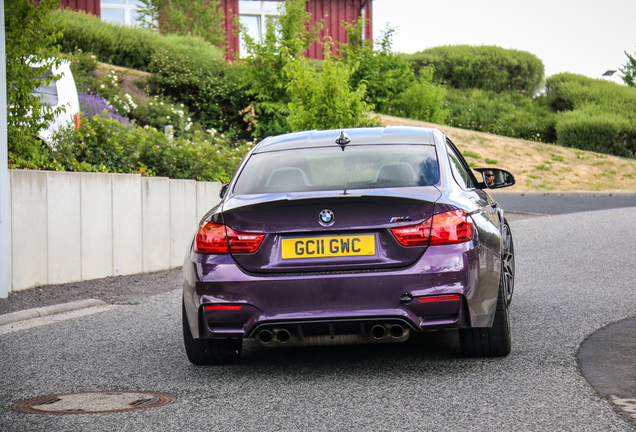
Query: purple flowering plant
x,y
93,104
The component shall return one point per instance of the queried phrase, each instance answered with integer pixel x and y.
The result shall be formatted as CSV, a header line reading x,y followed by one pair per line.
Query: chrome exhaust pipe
x,y
378,331
283,336
265,336
396,331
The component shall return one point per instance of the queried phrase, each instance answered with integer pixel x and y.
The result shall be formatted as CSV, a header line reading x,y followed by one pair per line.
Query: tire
x,y
492,341
507,263
202,352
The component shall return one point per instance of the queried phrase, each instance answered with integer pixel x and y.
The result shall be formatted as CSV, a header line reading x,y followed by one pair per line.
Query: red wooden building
x,y
252,13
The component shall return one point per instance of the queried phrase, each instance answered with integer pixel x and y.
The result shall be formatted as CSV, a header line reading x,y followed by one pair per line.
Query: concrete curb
x,y
564,193
48,310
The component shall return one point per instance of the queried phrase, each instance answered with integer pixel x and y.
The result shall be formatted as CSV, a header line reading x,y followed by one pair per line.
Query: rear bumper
x,y
346,300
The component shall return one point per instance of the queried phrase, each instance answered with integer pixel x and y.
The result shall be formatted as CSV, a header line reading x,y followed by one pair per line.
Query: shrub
x,y
210,88
568,91
506,113
124,46
324,100
106,145
422,100
384,73
482,67
596,130
595,114
159,112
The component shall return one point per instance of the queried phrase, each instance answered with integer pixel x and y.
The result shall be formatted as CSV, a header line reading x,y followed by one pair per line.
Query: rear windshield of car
x,y
331,168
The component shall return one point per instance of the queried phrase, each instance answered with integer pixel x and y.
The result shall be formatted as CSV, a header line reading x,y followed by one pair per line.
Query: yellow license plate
x,y
318,247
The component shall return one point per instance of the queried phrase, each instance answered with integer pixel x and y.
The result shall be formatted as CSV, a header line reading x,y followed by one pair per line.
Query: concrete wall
x,y
67,227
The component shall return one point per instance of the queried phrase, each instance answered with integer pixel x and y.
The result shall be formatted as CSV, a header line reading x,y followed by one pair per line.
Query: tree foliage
x,y
385,73
422,99
31,46
202,18
629,70
286,38
323,99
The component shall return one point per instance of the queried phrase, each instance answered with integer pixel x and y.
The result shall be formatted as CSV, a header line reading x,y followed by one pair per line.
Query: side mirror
x,y
495,178
223,190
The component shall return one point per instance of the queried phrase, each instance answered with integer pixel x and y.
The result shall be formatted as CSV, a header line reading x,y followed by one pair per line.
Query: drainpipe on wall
x,y
4,172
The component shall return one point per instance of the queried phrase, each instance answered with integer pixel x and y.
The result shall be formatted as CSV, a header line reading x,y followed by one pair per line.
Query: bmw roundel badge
x,y
326,217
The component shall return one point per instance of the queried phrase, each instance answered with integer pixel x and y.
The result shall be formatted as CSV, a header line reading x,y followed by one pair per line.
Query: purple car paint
x,y
354,236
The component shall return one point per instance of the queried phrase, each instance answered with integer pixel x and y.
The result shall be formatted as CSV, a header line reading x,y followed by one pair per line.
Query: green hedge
x,y
125,46
506,113
568,91
594,114
599,132
482,67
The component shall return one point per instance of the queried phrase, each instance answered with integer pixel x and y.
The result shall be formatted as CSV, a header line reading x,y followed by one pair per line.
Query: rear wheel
x,y
507,277
209,351
492,341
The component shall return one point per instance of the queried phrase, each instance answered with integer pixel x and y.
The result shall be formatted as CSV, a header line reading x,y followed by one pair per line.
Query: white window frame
x,y
125,6
261,9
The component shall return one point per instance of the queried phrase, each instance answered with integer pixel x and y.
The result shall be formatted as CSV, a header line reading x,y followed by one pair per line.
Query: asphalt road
x,y
575,274
558,204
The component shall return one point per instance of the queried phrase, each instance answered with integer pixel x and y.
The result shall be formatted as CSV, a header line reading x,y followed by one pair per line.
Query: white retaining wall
x,y
67,227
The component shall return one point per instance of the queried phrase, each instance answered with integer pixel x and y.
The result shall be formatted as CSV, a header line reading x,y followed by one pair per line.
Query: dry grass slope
x,y
538,166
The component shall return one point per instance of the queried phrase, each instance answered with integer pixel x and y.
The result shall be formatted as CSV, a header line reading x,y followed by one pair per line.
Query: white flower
x,y
168,117
102,86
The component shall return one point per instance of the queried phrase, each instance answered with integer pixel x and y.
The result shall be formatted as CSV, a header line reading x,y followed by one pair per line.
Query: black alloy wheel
x,y
507,263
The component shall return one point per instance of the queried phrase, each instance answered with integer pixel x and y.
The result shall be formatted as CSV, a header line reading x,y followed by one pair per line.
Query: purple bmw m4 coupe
x,y
355,236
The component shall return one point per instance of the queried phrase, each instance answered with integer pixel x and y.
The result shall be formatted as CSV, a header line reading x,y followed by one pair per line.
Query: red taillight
x,y
413,235
213,238
78,122
439,298
444,228
451,227
244,243
222,307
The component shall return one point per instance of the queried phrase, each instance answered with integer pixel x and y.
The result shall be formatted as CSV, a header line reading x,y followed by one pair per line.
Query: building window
x,y
253,15
123,12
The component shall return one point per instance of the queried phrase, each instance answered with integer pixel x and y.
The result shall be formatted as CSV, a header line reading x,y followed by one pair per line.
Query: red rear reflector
x,y
213,238
451,227
439,298
222,307
78,122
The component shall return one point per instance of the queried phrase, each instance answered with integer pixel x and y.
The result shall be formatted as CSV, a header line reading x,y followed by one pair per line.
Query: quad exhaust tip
x,y
396,331
283,336
265,336
378,331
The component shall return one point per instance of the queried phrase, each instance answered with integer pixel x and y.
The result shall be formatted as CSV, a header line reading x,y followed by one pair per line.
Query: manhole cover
x,y
93,402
